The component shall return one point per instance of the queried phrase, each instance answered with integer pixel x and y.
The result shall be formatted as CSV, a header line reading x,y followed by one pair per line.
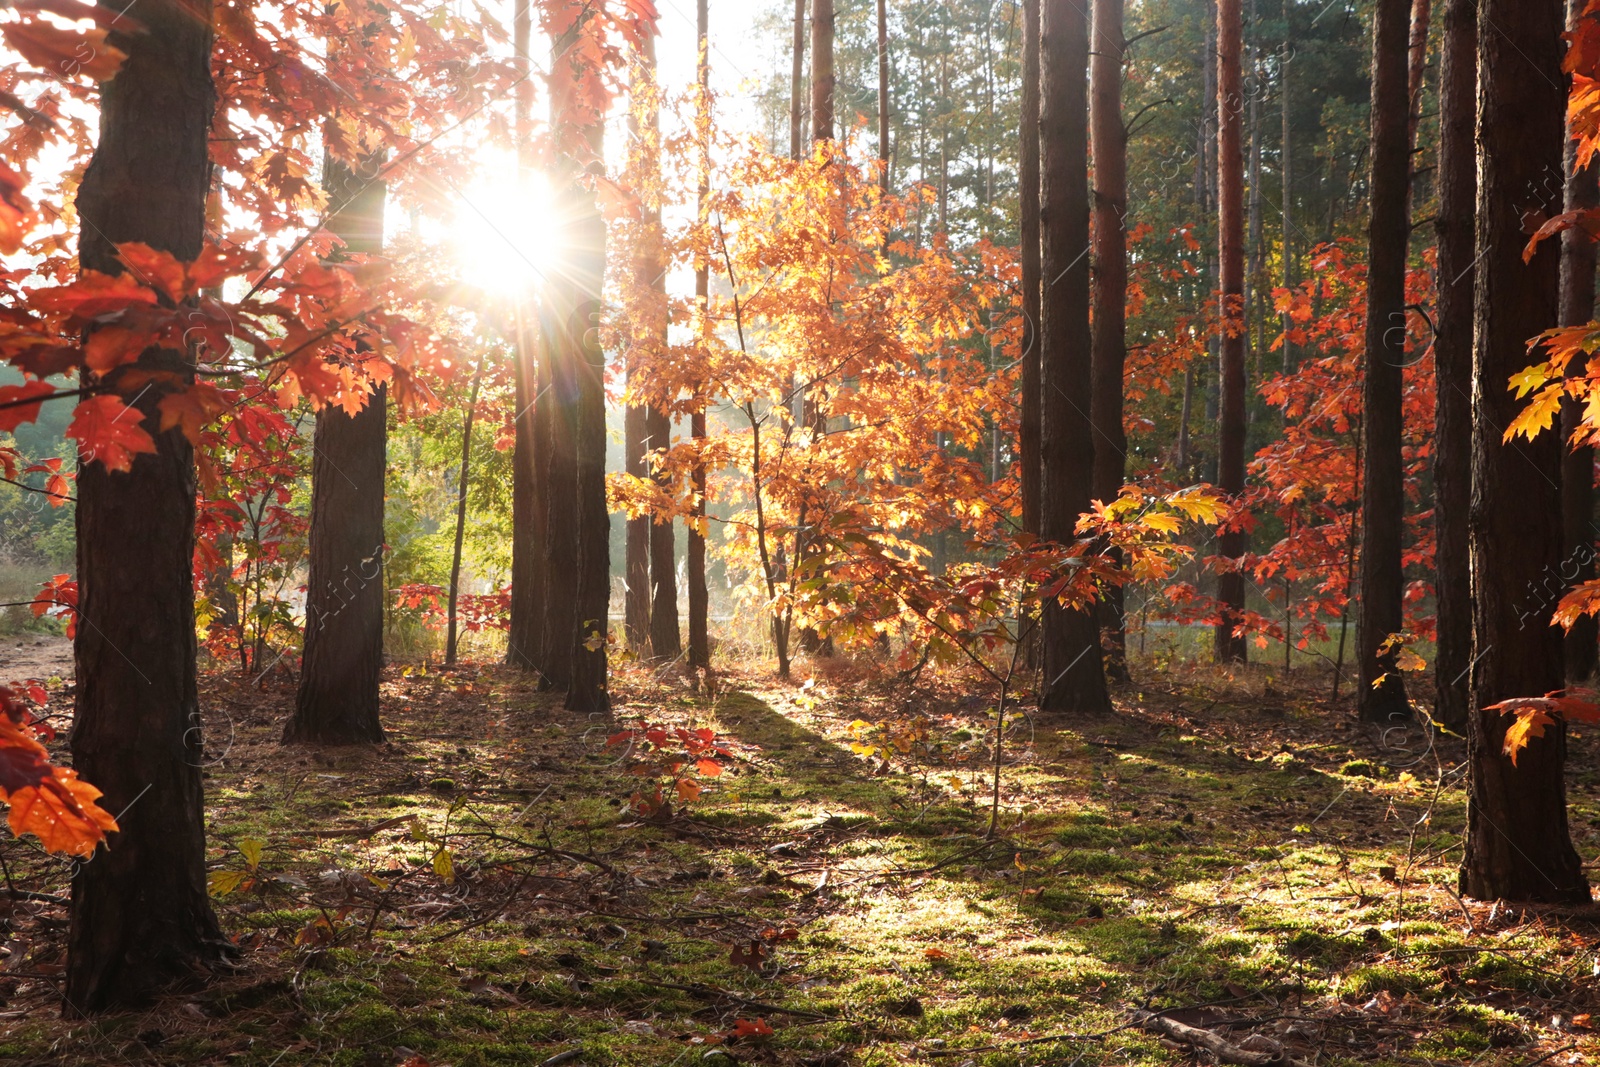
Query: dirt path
x,y
40,656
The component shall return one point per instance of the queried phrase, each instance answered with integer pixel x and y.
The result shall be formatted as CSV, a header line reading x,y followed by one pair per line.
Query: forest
x,y
847,532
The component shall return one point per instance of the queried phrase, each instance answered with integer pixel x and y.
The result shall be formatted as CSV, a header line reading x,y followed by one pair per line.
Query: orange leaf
x,y
192,409
156,268
108,430
65,53
708,767
746,1028
93,294
12,417
688,790
61,812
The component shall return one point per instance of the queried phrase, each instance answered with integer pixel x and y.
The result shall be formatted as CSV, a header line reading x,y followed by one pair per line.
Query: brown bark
x,y
797,81
1517,844
695,554
524,639
1073,672
1457,183
464,480
342,661
883,94
140,918
1286,174
636,564
1110,141
1417,49
1577,464
822,77
1380,687
1231,646
1028,212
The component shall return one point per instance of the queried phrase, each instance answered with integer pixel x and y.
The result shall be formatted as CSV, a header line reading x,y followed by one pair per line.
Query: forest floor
x,y
477,891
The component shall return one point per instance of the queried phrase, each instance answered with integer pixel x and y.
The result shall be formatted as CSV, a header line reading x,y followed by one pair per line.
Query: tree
x,y
140,917
337,703
1380,687
463,480
1074,673
636,415
1457,184
1517,843
1577,463
1028,229
695,554
797,78
822,76
1110,141
1232,542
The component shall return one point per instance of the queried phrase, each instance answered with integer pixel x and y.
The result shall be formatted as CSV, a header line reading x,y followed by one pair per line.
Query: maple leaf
x,y
1535,714
93,294
746,1028
192,409
1539,415
157,268
15,211
12,417
108,431
65,53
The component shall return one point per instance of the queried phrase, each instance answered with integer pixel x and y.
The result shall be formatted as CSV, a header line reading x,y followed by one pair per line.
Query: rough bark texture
x,y
1286,171
1517,844
1110,140
337,703
665,641
523,640
141,919
555,449
1231,646
1457,183
822,70
1073,673
1028,216
1577,464
1417,64
797,81
695,552
1380,688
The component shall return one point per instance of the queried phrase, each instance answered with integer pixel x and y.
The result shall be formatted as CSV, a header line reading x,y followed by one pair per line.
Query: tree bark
x,y
797,81
1074,675
140,918
1517,844
636,564
1421,15
1286,175
883,96
1110,141
822,76
341,664
1457,183
695,554
1231,646
524,639
1577,464
464,480
1028,217
1380,688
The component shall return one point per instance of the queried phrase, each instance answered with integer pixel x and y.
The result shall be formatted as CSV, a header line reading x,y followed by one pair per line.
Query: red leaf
x,y
108,430
65,53
12,417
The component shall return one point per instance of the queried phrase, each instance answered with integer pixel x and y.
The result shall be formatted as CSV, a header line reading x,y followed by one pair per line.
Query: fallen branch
x,y
1268,1054
759,1005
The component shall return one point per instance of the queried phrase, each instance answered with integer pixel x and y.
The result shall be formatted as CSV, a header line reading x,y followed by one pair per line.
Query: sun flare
x,y
505,235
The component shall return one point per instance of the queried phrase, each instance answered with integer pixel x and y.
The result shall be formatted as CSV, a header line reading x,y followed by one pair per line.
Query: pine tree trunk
x,y
797,81
695,554
665,640
1421,14
636,565
1110,141
1074,675
822,76
1517,844
1380,688
1231,646
1286,175
1028,215
1577,464
1457,182
464,480
337,703
140,918
555,449
524,639
883,95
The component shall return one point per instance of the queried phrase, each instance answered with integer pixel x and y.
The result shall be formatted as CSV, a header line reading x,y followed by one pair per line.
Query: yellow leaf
x,y
1528,379
1530,723
221,883
688,791
1408,660
1539,415
1165,523
443,866
250,848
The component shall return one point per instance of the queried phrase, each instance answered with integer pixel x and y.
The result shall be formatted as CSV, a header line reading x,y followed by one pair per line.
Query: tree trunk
x,y
797,80
1421,14
883,97
1286,176
1577,464
636,566
524,647
1457,183
342,661
822,70
1110,141
1380,688
695,561
464,481
140,917
1074,674
1517,844
1231,646
1028,213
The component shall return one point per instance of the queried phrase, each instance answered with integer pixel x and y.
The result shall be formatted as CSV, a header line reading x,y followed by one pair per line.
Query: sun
x,y
506,235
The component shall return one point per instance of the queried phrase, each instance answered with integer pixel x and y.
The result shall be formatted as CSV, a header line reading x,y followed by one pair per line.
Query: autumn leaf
x,y
65,53
1535,714
688,790
156,268
192,409
1539,415
746,1028
108,431
12,417
15,211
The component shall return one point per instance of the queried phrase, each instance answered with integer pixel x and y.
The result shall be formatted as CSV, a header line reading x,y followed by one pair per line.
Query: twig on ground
x,y
1225,1051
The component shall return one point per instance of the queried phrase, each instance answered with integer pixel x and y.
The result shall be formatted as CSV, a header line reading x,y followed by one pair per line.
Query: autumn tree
x,y
337,702
1381,693
1457,184
1517,844
699,650
1074,673
1230,642
1028,256
1110,142
140,917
